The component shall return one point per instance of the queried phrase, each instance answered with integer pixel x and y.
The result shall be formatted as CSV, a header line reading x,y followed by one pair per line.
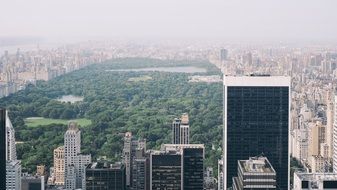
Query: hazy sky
x,y
211,19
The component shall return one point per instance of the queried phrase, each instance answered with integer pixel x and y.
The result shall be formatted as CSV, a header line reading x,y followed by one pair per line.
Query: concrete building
x,y
40,170
256,120
307,181
59,165
33,182
131,145
335,137
318,164
255,173
103,175
13,175
316,138
329,126
220,175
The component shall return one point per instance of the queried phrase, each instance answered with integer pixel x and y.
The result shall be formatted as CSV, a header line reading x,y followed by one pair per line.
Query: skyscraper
x,y
13,166
10,140
165,170
59,165
176,131
178,166
256,121
131,145
103,175
181,130
185,129
2,148
75,163
335,137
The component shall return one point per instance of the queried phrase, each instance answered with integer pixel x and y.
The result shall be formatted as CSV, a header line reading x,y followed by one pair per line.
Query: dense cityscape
x,y
303,108
168,95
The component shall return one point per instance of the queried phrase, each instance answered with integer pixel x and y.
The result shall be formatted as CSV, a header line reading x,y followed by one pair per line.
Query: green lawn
x,y
34,122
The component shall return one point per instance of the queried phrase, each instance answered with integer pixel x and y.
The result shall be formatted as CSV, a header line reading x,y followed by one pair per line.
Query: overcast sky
x,y
209,19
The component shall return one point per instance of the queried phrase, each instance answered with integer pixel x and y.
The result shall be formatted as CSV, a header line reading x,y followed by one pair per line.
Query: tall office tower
x,y
181,130
13,166
335,137
59,165
130,146
10,140
255,173
176,131
81,162
72,147
184,129
74,162
139,170
316,137
220,175
329,126
2,148
165,171
103,175
256,121
191,166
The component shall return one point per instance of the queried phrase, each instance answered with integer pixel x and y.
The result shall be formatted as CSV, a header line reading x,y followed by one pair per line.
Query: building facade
x,y
59,165
105,176
178,166
256,121
181,130
74,162
131,145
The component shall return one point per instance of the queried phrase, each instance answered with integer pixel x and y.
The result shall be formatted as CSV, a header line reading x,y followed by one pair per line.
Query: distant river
x,y
166,69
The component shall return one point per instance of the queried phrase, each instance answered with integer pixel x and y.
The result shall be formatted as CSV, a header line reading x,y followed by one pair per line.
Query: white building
x,y
10,140
13,166
335,138
13,175
75,163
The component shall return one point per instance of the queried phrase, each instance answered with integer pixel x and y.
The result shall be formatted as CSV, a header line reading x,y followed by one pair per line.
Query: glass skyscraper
x,y
256,122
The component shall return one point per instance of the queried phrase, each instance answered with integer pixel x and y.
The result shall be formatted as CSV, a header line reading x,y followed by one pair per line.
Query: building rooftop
x,y
105,165
262,80
256,165
317,176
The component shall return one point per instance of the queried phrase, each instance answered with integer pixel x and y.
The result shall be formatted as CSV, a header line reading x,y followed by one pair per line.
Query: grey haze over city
x,y
228,20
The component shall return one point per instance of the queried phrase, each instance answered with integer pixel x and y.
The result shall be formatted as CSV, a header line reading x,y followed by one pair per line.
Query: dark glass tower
x,y
193,170
2,148
166,171
256,121
105,176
